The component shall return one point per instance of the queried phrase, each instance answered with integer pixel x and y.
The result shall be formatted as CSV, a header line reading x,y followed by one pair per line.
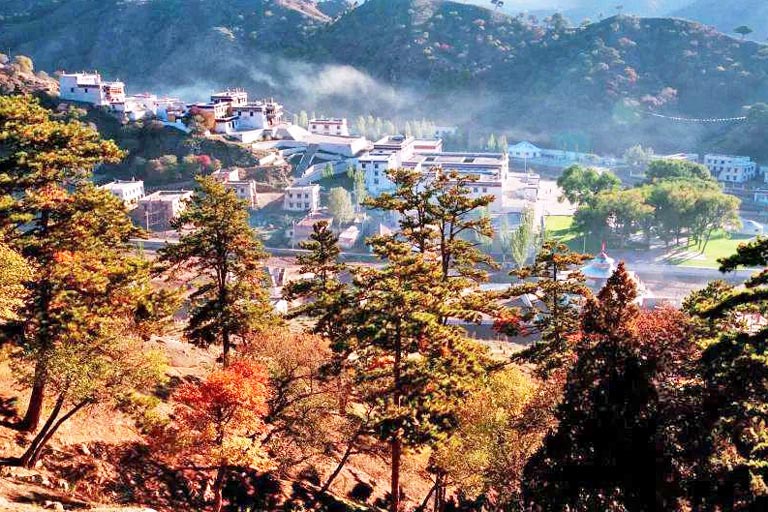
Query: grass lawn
x,y
721,245
560,228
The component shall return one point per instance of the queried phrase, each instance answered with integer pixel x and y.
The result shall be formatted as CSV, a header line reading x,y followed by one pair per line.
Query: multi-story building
x,y
731,169
234,113
302,198
491,170
129,192
258,115
327,126
90,88
156,211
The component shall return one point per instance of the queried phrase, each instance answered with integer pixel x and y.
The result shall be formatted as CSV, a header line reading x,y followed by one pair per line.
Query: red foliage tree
x,y
219,422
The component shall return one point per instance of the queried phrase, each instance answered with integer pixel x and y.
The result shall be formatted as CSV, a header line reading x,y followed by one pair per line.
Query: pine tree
x,y
225,253
559,287
617,443
733,424
41,162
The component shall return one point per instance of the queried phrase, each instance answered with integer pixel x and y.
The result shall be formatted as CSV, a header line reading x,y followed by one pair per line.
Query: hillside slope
x,y
728,15
454,63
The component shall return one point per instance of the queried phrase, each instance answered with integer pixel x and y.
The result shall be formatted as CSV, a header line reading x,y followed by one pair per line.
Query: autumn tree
x,y
218,248
218,423
498,431
617,443
555,282
42,163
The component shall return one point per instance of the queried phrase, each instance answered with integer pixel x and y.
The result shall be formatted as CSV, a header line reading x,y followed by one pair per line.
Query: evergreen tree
x,y
617,443
41,163
491,145
733,424
225,253
554,280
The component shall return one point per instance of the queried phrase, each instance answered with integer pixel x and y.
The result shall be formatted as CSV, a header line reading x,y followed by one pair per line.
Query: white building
x,y
490,169
258,115
129,192
524,151
326,126
733,169
302,198
90,88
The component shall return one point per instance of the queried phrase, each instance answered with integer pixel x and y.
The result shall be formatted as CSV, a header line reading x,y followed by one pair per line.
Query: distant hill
x,y
727,15
454,63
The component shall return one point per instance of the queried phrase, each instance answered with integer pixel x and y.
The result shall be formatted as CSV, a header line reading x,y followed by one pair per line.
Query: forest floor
x,y
99,459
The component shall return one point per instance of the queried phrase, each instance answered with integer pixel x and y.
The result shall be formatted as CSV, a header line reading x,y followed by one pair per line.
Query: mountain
x,y
726,16
454,63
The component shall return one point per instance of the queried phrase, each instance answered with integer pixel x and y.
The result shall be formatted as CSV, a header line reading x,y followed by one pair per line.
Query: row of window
x,y
298,195
297,205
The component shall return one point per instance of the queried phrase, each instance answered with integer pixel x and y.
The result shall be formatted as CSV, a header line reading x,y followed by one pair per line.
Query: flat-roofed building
x,y
156,211
731,169
302,198
329,126
302,229
129,192
90,88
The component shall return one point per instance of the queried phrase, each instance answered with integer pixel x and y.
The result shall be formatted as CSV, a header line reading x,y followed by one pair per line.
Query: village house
x,y
90,88
524,150
156,211
302,198
731,169
301,230
129,192
327,126
245,190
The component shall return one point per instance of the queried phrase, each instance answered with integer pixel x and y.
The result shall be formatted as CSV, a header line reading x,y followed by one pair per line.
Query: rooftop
x,y
122,184
167,195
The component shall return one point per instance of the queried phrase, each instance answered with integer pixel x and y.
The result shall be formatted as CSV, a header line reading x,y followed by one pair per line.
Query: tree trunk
x,y
395,487
225,348
337,471
35,408
36,451
27,459
218,490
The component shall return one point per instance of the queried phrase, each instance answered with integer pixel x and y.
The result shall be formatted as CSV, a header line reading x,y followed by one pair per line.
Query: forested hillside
x,y
454,63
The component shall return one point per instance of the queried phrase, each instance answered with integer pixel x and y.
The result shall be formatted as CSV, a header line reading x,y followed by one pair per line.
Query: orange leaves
x,y
235,396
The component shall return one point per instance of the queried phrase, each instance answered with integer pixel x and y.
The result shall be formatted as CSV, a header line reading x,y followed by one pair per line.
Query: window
x,y
290,205
376,182
71,89
474,189
306,205
485,189
306,196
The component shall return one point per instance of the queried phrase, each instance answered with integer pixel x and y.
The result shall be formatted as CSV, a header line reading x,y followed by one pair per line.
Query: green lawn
x,y
560,228
721,245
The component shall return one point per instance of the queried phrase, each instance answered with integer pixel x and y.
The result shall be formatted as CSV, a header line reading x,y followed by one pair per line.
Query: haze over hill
x,y
726,16
458,64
